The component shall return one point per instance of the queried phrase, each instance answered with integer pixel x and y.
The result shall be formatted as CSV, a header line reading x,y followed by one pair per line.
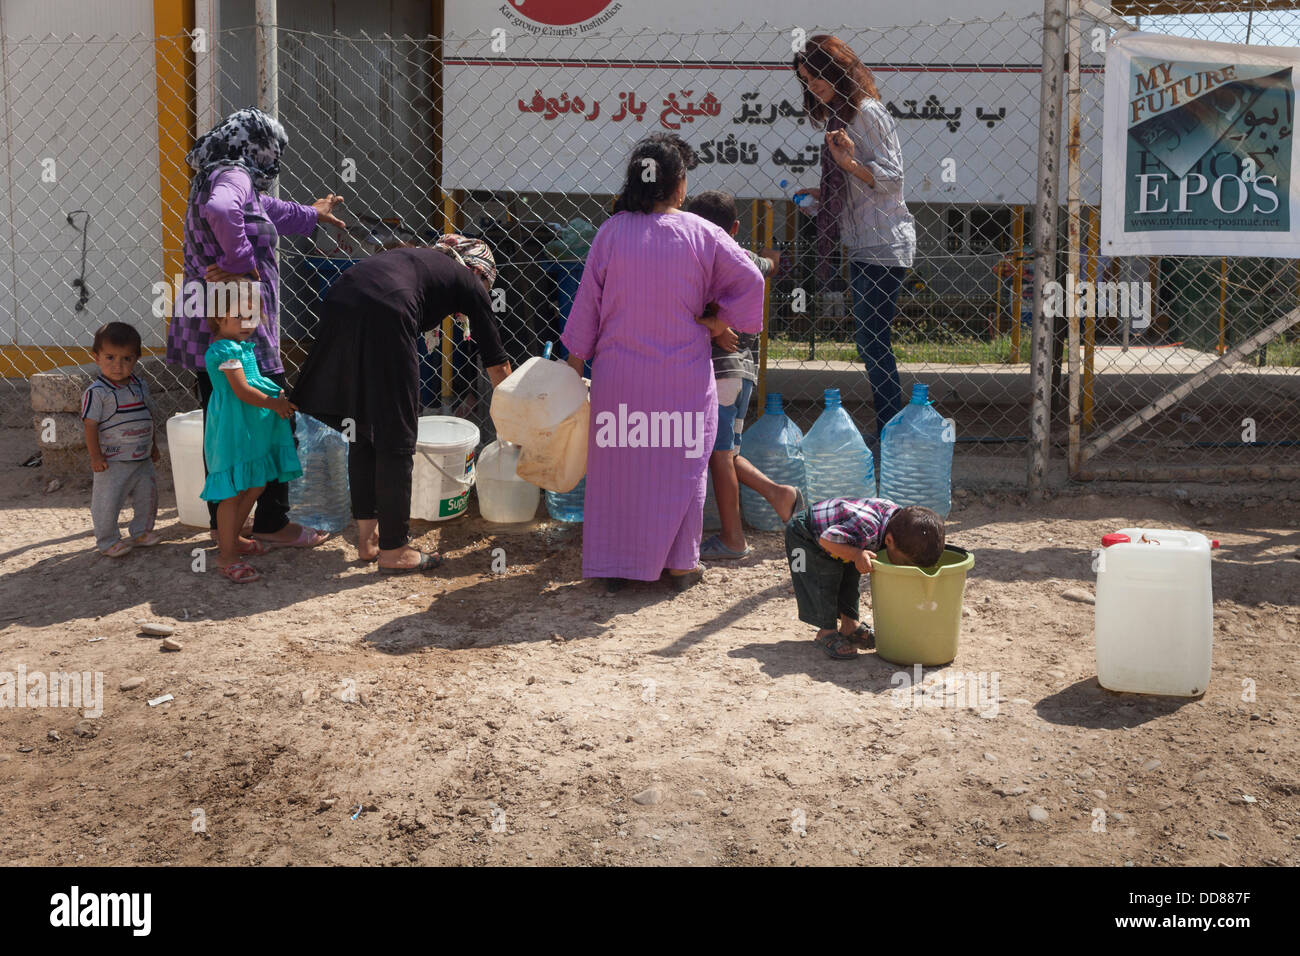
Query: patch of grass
x,y
963,350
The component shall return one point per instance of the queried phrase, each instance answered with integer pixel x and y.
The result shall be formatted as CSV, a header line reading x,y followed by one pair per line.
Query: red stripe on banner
x,y
761,67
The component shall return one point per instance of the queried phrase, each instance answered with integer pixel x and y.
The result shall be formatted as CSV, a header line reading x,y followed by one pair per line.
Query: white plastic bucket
x,y
444,467
185,448
504,497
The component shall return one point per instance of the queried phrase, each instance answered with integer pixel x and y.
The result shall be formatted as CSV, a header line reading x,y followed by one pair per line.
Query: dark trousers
x,y
824,586
271,513
380,482
875,302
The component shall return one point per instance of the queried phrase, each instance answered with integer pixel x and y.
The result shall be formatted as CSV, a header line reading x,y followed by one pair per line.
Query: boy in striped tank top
x,y
118,417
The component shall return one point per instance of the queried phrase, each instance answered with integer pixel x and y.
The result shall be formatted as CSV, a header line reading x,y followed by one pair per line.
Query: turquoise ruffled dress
x,y
245,447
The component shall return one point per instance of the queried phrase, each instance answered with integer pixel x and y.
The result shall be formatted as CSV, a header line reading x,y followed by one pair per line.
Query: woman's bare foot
x,y
403,557
368,539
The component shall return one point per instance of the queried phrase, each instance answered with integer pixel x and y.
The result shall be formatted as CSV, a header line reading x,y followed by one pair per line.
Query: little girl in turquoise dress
x,y
246,439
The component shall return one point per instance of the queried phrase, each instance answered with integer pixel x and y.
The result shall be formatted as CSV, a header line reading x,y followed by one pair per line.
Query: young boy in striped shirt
x,y
833,543
117,414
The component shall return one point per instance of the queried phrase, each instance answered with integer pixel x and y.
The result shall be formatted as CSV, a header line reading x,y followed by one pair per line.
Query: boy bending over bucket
x,y
833,543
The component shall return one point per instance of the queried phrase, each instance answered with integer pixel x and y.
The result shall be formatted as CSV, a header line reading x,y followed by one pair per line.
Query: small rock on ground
x,y
131,683
1038,814
648,797
171,644
1079,595
156,628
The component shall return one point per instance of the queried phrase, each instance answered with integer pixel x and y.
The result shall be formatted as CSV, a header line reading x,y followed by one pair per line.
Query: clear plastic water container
x,y
320,498
567,506
916,456
774,445
504,497
1155,612
839,464
185,449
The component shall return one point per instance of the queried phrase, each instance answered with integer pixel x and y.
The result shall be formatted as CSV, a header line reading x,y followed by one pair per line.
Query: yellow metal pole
x,y
449,213
174,79
1090,320
767,288
1223,305
1017,279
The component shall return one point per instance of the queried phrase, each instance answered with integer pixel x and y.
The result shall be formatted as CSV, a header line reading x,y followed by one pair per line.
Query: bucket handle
x,y
465,481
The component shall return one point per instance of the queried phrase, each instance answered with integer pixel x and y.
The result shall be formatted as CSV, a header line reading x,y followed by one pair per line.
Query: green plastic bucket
x,y
916,612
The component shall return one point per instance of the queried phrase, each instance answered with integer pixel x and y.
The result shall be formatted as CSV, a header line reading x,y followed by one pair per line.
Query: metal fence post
x,y
268,73
1049,157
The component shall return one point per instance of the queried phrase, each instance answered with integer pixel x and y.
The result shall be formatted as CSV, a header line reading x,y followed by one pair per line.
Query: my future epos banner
x,y
1198,149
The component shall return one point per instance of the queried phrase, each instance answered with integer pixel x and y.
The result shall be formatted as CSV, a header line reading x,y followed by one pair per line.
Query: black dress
x,y
364,363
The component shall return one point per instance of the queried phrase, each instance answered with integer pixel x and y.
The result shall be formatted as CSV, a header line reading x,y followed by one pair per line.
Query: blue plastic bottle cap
x,y
920,394
832,396
773,406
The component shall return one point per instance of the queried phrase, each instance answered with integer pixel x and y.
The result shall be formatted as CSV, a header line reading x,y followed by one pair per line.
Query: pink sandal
x,y
117,549
241,573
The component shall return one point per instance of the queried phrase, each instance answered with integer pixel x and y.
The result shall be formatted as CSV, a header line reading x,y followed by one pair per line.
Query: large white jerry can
x,y
1155,612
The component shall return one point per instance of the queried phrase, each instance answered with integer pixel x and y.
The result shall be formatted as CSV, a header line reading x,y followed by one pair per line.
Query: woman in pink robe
x,y
650,273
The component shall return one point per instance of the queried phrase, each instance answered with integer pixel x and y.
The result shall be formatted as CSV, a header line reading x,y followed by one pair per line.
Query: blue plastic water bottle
x,y
567,506
839,463
774,447
320,498
916,455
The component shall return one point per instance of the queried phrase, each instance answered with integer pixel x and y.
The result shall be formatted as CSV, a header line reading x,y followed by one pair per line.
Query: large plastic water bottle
x,y
774,447
839,463
916,455
320,498
567,506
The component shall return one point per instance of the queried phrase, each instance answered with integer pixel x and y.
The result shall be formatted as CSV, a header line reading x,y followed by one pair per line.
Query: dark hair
x,y
831,59
716,206
119,334
918,533
662,159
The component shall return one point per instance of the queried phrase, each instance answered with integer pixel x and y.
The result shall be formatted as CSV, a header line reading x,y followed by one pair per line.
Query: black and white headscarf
x,y
248,139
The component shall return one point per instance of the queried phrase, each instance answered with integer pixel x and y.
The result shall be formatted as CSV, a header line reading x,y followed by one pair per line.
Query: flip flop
x,y
799,503
146,539
714,550
863,636
427,563
837,646
691,578
117,549
307,538
240,573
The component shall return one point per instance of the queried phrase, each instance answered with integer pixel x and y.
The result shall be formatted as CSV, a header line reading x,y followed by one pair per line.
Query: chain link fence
x,y
1146,403
524,142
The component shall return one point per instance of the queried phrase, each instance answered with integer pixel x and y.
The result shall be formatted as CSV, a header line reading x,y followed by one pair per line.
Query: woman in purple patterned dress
x,y
231,230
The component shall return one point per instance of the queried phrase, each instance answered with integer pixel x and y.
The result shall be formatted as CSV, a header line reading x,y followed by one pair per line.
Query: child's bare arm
x,y
97,461
858,557
251,396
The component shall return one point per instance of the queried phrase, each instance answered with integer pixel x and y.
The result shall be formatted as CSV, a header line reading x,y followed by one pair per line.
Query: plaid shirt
x,y
859,522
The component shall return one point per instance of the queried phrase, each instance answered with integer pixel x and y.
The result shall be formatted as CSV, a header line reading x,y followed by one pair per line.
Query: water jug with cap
x,y
1154,615
839,463
504,497
773,446
916,455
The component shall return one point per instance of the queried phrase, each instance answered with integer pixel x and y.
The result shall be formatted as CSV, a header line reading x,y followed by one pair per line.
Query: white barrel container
x,y
1155,612
504,497
537,397
444,467
185,448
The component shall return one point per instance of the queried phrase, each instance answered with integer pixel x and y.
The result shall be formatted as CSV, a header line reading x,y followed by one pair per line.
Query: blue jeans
x,y
875,301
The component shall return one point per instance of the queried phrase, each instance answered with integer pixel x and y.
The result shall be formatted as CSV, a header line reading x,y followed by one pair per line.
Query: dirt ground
x,y
476,718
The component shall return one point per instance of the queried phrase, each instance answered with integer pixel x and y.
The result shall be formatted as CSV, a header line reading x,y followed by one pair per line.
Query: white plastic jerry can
x,y
1155,612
